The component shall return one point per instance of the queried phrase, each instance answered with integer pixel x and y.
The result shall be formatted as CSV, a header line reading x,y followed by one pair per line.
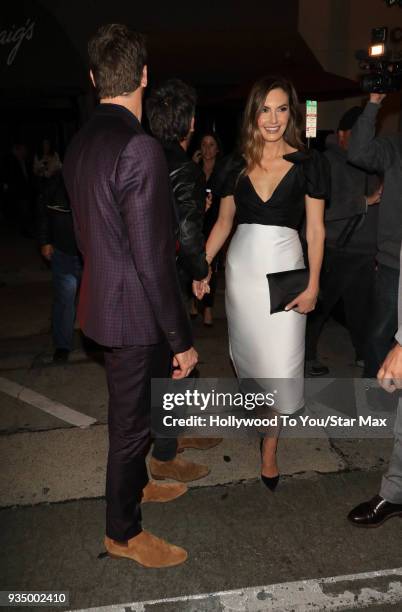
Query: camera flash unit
x,y
377,50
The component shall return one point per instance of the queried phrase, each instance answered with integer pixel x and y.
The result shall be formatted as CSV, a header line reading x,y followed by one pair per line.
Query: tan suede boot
x,y
147,550
197,443
162,492
177,469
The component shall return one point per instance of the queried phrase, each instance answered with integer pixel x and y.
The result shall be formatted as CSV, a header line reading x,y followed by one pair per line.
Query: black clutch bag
x,y
285,286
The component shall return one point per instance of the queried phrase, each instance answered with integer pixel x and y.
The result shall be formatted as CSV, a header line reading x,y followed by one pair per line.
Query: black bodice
x,y
309,175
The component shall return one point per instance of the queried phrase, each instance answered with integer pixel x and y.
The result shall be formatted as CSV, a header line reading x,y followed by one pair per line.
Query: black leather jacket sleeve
x,y
188,183
43,230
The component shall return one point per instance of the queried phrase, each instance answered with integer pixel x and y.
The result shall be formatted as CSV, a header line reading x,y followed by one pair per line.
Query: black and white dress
x,y
265,346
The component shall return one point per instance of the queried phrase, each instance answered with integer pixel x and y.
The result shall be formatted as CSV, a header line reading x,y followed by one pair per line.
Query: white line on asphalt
x,y
353,591
44,403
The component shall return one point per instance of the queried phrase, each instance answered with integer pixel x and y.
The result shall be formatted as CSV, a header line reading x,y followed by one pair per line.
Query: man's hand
x,y
305,302
47,251
390,374
377,98
375,197
184,363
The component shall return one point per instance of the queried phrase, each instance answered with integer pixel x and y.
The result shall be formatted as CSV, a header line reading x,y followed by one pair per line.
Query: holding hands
x,y
200,288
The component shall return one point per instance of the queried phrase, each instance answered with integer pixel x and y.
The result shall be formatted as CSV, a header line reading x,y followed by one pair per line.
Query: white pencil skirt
x,y
264,346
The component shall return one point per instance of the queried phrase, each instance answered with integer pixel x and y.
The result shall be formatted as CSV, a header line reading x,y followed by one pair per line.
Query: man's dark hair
x,y
117,56
170,108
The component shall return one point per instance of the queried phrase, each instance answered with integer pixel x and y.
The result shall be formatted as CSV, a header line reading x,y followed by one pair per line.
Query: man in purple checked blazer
x,y
117,180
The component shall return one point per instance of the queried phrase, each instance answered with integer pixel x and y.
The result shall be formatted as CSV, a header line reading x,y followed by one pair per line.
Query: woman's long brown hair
x,y
252,142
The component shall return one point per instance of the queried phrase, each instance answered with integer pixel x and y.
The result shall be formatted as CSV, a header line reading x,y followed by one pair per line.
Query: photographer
x,y
348,269
383,156
388,503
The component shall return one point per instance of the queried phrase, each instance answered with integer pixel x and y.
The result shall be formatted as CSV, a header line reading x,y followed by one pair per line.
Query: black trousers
x,y
384,319
165,449
350,277
129,371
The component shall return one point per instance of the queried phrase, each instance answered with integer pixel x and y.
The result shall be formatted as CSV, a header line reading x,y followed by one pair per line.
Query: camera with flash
x,y
382,61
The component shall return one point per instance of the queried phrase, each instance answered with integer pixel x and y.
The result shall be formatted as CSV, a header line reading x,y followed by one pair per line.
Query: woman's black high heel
x,y
270,482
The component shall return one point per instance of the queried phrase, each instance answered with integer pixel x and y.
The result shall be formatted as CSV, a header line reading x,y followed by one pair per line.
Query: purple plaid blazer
x,y
118,183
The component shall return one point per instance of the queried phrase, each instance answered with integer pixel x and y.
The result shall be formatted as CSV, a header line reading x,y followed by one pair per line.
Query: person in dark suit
x,y
130,301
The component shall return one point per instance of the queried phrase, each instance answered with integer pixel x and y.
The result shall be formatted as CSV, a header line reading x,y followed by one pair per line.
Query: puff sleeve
x,y
317,172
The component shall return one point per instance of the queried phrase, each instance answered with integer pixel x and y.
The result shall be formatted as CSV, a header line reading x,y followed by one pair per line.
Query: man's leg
x,y
388,503
129,371
384,320
165,449
332,283
391,486
164,462
357,299
66,272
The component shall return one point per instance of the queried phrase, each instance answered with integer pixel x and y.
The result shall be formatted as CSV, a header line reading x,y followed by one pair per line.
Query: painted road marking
x,y
354,591
44,403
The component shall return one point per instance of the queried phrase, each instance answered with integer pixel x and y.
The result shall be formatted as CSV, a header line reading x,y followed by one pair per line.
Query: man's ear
x,y
91,75
144,78
192,124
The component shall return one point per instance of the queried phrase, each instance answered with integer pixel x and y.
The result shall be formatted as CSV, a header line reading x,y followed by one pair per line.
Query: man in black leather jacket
x,y
170,111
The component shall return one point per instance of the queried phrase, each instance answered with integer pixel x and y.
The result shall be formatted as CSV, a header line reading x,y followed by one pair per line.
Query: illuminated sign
x,y
14,36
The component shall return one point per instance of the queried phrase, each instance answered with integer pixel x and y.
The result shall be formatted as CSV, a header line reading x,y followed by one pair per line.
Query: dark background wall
x,y
220,47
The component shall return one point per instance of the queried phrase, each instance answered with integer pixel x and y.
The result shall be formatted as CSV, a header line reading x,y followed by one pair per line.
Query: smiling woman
x,y
272,114
278,184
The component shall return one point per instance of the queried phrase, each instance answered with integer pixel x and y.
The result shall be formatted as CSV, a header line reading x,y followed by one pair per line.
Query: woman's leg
x,y
269,465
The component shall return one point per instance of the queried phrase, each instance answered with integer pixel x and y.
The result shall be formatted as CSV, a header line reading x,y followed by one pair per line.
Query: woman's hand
x,y
305,302
197,156
47,251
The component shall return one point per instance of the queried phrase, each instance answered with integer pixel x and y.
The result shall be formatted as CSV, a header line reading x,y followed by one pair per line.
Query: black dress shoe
x,y
374,513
